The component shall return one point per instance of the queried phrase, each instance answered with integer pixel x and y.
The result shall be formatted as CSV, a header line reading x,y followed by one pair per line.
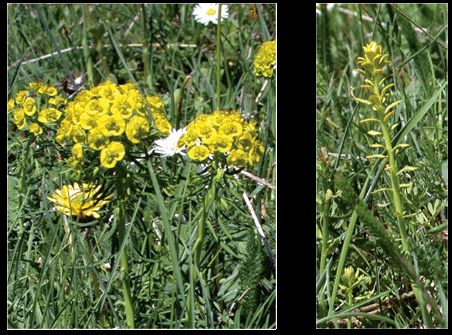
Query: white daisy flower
x,y
168,146
208,12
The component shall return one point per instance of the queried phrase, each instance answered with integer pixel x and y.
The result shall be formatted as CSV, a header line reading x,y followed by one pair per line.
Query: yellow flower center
x,y
211,11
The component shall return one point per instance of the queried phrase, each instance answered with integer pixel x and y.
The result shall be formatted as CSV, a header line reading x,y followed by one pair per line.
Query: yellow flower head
x,y
156,106
163,125
373,63
49,115
19,118
137,128
223,135
108,116
29,106
373,60
198,153
113,125
265,60
372,49
35,128
80,202
97,140
113,153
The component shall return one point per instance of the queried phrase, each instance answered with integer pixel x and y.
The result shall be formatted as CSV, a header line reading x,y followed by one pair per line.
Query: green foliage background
x,y
419,71
50,276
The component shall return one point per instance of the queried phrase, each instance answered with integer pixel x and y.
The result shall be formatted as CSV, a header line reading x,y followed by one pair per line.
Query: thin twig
x,y
92,46
259,180
259,227
418,26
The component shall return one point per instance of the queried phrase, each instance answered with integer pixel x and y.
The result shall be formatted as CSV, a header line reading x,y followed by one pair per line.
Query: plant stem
x,y
145,42
93,273
218,55
121,193
326,207
340,267
398,206
208,200
395,185
324,248
207,203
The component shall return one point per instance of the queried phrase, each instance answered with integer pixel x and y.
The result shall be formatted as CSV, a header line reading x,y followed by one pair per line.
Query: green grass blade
x,y
120,55
168,233
418,116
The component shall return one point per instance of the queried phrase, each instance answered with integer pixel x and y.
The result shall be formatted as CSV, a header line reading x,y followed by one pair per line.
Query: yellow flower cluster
x,y
98,117
373,63
265,60
160,120
27,102
225,134
79,202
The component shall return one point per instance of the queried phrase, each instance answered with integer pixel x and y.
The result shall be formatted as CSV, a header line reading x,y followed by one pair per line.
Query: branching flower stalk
x,y
373,63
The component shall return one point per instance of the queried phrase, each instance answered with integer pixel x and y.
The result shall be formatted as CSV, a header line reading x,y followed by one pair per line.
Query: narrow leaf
x,y
418,116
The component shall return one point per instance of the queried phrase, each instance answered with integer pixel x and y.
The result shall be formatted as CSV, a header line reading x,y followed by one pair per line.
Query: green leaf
x,y
445,171
421,61
418,116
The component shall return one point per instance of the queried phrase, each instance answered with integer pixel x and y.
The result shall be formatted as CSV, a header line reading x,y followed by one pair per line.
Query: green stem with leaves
x,y
395,185
121,193
373,64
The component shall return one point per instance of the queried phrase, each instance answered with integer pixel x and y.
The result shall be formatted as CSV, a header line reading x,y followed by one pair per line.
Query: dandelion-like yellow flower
x,y
265,60
80,202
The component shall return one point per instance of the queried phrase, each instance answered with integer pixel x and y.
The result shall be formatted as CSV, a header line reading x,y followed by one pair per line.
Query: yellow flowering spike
x,y
373,64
